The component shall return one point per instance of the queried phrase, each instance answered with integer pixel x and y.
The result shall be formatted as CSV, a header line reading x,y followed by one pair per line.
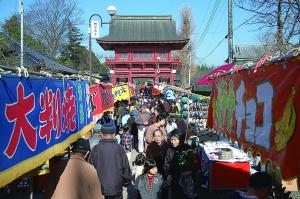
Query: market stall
x,y
257,107
220,160
203,85
39,118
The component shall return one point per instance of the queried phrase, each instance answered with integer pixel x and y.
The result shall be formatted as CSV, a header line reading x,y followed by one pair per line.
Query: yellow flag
x,y
121,92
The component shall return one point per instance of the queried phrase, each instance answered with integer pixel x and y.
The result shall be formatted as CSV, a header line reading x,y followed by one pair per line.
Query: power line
x,y
215,32
210,20
205,15
244,22
218,27
215,47
227,35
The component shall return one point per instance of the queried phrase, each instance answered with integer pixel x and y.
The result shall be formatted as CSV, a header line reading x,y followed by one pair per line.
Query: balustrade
x,y
150,60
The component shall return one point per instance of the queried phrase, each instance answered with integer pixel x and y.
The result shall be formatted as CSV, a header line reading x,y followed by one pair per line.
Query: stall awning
x,y
203,85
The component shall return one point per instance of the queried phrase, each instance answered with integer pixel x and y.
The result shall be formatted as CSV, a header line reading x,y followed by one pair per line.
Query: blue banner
x,y
39,118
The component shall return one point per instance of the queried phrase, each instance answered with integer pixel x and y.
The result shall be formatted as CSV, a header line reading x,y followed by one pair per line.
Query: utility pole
x,y
230,33
190,63
298,2
22,33
111,10
158,70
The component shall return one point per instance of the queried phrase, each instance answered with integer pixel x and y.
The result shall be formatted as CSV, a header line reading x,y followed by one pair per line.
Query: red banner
x,y
101,98
261,110
106,96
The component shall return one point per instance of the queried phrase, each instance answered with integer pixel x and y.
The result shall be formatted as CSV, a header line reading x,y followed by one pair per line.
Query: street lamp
x,y
111,10
158,70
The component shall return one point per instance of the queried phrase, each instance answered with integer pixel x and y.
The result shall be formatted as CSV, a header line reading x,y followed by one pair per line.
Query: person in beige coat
x,y
79,179
160,124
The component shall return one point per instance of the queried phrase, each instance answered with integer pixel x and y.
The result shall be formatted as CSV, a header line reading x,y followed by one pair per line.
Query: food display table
x,y
224,166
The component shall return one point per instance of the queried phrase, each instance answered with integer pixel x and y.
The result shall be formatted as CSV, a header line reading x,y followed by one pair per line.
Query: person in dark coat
x,y
260,187
111,163
171,166
174,108
157,150
165,106
133,130
105,119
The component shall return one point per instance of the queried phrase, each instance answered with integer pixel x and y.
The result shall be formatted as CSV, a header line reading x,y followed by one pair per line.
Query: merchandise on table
x,y
213,150
222,161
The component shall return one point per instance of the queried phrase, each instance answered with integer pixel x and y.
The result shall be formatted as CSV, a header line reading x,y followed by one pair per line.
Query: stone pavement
x,y
130,192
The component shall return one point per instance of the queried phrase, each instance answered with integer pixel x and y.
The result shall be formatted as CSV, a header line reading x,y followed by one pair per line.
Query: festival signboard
x,y
107,98
121,93
39,118
101,98
260,109
95,100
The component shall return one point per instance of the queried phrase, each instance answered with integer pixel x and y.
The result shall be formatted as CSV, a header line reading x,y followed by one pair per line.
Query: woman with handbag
x,y
177,175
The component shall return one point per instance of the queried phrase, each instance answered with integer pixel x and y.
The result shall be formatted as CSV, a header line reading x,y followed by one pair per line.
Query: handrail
x,y
113,59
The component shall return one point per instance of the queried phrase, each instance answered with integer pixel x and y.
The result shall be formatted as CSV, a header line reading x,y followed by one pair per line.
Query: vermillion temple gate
x,y
143,48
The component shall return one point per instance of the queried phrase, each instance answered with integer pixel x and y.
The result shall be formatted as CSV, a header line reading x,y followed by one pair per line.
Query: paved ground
x,y
130,192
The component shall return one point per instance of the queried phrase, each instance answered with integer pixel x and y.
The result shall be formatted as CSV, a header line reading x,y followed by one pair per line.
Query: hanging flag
x,y
39,118
261,111
156,91
121,93
101,99
95,29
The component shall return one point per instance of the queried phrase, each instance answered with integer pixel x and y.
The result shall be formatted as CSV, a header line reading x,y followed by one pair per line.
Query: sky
x,y
202,11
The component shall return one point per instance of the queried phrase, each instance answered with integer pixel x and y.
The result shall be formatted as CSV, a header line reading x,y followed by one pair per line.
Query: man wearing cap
x,y
105,119
111,163
79,179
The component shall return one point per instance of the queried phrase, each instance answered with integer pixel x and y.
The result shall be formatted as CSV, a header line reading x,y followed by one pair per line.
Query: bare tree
x,y
49,21
280,18
186,29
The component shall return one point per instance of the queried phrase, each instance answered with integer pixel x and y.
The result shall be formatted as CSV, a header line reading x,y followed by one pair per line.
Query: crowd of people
x,y
165,166
148,126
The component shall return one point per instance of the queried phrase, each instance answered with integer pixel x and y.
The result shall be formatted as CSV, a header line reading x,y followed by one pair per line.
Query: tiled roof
x,y
252,51
143,28
35,59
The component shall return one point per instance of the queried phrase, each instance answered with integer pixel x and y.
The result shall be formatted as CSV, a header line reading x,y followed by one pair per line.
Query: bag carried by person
x,y
186,182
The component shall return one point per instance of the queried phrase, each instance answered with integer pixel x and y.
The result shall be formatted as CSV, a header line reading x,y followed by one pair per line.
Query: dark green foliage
x,y
73,54
4,51
77,56
200,72
12,28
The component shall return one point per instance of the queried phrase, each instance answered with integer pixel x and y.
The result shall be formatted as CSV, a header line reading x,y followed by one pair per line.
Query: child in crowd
x,y
127,140
149,184
138,163
119,135
171,125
